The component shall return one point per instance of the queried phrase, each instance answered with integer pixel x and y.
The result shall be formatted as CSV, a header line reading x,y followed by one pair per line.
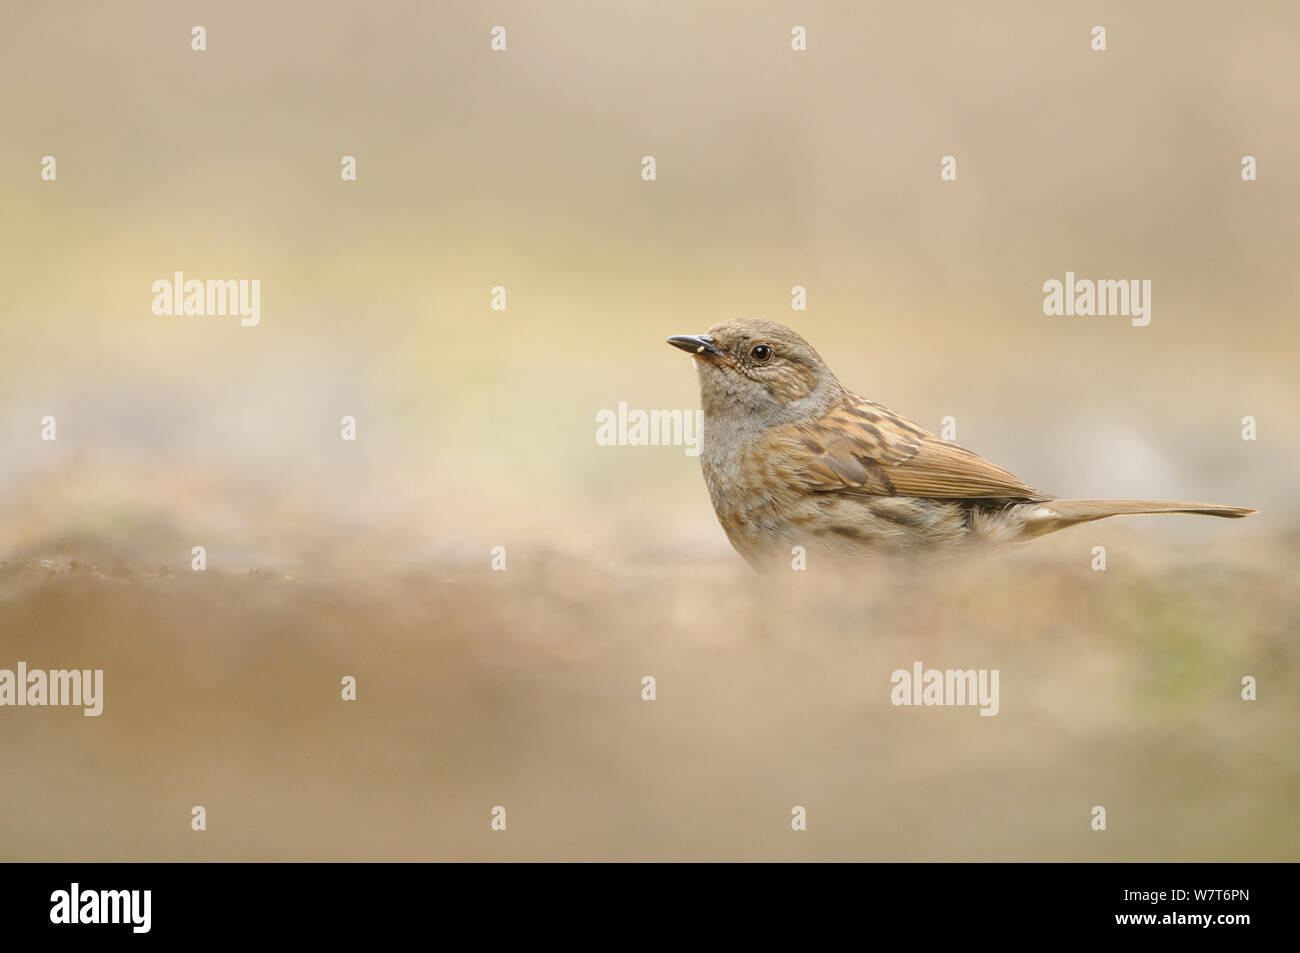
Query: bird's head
x,y
761,370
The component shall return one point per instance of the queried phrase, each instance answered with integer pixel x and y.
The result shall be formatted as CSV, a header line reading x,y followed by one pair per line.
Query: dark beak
x,y
695,343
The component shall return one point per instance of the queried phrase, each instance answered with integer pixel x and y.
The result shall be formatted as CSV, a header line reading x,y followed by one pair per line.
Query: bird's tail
x,y
1051,515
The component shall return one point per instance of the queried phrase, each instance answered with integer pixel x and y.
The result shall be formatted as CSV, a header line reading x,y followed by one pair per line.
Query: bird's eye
x,y
760,353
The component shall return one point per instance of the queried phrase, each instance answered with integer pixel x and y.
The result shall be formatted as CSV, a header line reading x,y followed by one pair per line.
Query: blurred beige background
x,y
476,427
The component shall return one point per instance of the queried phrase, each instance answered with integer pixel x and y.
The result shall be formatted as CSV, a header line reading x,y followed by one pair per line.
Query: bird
x,y
793,458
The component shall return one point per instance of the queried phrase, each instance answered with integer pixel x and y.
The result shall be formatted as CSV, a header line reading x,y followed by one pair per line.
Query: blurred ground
x,y
522,688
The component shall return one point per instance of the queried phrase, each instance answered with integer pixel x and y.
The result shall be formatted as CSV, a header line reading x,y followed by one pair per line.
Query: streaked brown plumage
x,y
792,458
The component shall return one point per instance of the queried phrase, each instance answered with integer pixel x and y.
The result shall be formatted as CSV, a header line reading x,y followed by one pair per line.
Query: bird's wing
x,y
862,447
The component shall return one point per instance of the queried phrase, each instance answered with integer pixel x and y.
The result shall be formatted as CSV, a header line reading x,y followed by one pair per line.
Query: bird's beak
x,y
699,344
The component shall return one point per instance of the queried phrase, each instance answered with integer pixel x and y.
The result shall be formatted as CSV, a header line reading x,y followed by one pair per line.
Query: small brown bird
x,y
792,458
